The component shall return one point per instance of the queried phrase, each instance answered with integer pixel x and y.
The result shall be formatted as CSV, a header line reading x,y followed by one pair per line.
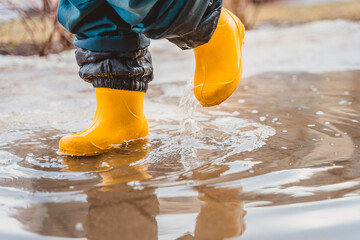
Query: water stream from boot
x,y
189,128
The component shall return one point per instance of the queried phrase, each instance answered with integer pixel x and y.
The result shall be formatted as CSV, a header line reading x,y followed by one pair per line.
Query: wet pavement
x,y
277,160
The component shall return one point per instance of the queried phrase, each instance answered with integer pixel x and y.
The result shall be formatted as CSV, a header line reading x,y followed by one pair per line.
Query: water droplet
x,y
342,102
79,226
262,119
319,113
314,89
311,125
104,164
254,111
284,131
241,101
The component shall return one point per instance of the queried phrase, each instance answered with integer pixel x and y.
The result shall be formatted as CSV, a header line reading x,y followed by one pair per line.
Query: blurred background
x,y
30,27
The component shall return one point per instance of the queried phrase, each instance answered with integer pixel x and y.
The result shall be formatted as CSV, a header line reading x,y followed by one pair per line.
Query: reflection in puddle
x,y
283,148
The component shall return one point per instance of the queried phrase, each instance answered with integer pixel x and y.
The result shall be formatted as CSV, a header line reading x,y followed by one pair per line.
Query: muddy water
x,y
278,160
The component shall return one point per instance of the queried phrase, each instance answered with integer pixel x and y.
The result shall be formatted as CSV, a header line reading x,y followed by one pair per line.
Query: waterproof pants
x,y
113,35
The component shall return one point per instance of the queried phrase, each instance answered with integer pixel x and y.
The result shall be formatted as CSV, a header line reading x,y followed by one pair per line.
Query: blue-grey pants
x,y
113,35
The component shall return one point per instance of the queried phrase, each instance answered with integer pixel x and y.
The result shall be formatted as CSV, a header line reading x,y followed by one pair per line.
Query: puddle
x,y
278,160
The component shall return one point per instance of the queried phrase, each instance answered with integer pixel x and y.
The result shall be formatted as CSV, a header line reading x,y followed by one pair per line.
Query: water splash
x,y
188,123
189,128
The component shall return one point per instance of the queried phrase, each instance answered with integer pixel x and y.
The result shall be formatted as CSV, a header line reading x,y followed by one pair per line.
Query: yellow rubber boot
x,y
119,117
218,62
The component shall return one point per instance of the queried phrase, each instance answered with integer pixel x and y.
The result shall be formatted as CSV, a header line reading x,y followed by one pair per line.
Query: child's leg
x,y
98,27
116,61
112,40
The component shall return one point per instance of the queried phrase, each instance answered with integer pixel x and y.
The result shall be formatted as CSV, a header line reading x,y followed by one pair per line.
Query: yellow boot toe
x,y
77,145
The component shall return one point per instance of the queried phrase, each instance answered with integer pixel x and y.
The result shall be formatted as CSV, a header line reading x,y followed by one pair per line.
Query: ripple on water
x,y
282,163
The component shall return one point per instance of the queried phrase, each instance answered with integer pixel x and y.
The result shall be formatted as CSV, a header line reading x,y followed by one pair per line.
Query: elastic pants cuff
x,y
116,70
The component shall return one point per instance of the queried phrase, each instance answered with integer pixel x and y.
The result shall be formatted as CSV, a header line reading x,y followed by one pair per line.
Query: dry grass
x,y
245,10
302,14
17,38
15,32
252,15
35,32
